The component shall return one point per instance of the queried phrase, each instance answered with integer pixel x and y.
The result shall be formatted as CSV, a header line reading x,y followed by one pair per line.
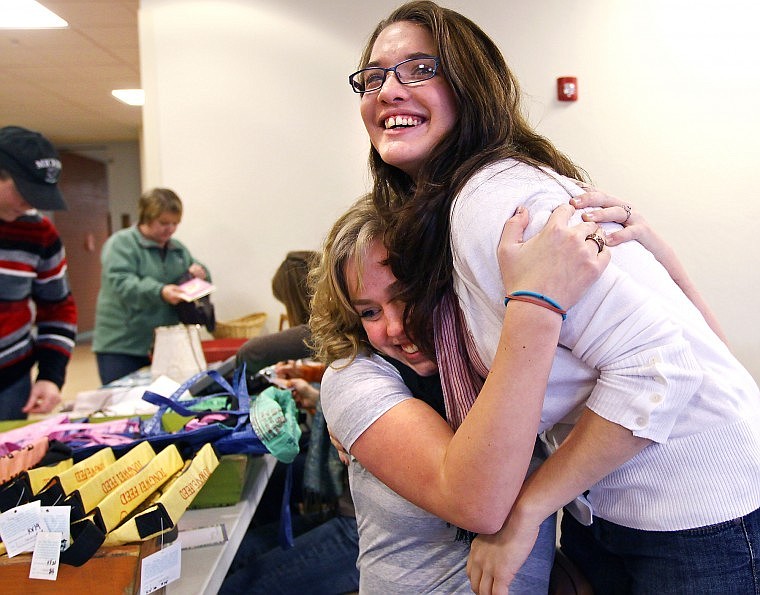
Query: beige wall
x,y
250,118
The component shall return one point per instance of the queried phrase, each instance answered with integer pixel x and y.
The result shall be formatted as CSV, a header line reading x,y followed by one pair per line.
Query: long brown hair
x,y
490,127
289,285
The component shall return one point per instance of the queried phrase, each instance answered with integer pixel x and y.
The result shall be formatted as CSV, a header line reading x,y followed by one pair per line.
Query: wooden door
x,y
84,227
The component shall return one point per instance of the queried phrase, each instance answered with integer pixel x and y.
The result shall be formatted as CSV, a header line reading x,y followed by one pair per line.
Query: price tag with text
x,y
46,556
19,527
56,518
161,568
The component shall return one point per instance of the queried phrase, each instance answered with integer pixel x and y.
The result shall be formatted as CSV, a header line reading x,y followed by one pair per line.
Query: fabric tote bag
x,y
177,352
267,422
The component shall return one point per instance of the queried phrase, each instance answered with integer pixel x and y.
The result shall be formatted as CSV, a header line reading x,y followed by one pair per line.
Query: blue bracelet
x,y
539,296
553,305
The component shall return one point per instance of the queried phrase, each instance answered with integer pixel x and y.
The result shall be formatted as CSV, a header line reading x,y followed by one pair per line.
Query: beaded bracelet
x,y
531,297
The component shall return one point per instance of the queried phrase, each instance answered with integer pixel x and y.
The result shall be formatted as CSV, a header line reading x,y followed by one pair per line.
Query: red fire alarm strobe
x,y
567,88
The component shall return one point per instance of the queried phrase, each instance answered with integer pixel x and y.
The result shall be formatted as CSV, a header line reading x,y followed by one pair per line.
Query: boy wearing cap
x,y
32,269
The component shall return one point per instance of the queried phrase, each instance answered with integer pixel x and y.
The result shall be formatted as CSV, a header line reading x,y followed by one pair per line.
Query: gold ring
x,y
595,237
627,209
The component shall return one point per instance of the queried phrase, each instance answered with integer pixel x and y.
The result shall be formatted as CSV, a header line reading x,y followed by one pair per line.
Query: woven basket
x,y
245,327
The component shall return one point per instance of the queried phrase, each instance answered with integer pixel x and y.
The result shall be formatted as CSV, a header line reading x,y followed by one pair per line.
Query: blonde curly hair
x,y
336,329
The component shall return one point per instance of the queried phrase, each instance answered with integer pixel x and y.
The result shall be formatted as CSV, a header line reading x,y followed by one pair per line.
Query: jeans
x,y
322,562
14,397
112,366
717,559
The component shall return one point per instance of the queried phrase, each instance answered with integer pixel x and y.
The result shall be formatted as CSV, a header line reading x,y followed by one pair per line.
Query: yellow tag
x,y
124,468
176,497
41,476
79,473
180,494
115,507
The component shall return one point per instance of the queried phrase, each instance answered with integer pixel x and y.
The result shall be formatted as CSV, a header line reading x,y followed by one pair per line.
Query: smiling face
x,y
381,315
405,122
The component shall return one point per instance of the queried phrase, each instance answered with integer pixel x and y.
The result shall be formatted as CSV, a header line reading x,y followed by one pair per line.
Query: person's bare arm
x,y
471,478
593,449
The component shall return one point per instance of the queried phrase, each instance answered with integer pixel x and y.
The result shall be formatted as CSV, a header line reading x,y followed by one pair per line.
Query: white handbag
x,y
177,352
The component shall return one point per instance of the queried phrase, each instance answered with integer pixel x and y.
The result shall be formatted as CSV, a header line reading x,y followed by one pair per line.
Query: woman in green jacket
x,y
138,287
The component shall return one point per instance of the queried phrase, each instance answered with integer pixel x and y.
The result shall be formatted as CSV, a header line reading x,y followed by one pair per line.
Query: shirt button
x,y
641,421
655,398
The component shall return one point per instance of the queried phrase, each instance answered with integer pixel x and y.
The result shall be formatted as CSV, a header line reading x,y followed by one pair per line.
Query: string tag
x,y
19,527
161,568
57,518
46,556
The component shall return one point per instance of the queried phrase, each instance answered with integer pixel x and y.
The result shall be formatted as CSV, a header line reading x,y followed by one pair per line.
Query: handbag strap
x,y
86,539
241,388
152,426
181,408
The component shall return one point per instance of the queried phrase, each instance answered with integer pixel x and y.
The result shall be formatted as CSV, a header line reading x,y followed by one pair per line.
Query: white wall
x,y
250,118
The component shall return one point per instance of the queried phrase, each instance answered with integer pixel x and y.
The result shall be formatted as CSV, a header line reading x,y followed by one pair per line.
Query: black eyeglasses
x,y
409,71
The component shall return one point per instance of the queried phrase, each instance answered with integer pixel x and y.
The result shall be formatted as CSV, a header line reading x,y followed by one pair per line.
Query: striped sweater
x,y
34,290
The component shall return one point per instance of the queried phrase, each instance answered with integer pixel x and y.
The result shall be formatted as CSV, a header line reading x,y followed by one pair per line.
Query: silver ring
x,y
627,209
595,237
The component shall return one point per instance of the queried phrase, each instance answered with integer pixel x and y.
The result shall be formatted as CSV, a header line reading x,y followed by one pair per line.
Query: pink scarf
x,y
461,369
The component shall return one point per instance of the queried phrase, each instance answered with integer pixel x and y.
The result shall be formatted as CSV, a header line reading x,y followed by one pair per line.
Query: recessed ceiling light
x,y
28,14
130,96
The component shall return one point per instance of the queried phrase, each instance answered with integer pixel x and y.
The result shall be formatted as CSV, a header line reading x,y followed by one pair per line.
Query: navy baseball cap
x,y
34,165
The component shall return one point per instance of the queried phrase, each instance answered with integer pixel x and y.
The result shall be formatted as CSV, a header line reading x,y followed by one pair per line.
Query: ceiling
x,y
59,81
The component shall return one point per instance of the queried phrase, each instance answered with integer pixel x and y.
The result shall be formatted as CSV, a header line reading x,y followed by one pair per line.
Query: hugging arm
x,y
647,374
464,477
596,446
593,448
636,227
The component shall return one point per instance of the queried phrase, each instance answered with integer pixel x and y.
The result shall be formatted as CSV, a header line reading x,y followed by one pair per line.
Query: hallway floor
x,y
82,372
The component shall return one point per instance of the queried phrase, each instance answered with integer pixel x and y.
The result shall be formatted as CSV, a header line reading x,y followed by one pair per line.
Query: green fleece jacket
x,y
129,303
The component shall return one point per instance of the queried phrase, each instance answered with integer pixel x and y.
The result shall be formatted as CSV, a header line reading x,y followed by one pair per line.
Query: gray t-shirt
x,y
402,548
